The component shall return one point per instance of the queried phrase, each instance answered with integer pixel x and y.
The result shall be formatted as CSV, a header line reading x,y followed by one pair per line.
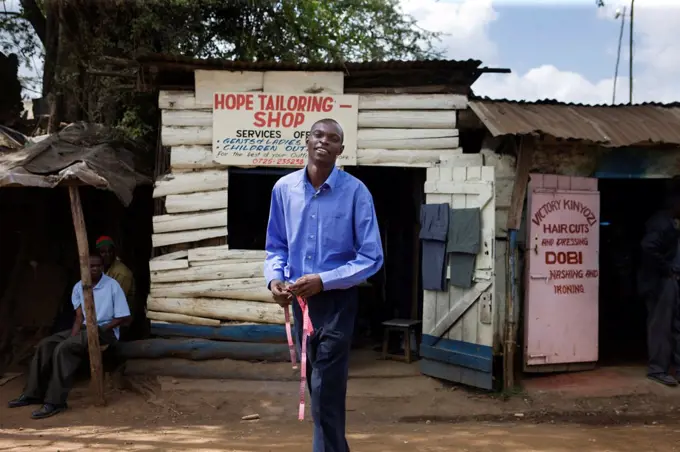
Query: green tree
x,y
287,30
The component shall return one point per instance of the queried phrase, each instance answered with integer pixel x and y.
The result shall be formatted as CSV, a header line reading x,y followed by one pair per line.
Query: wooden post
x,y
519,192
96,371
525,155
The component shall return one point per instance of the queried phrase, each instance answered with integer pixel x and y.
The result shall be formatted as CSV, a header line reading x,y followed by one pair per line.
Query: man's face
x,y
96,268
324,144
108,255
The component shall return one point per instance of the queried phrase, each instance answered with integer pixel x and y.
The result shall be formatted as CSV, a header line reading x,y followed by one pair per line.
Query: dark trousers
x,y
332,314
56,361
663,327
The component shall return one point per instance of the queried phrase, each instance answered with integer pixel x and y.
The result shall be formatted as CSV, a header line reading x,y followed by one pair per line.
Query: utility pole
x,y
630,56
618,53
601,4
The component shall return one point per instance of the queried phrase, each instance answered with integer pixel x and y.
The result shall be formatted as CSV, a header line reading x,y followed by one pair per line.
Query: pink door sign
x,y
561,306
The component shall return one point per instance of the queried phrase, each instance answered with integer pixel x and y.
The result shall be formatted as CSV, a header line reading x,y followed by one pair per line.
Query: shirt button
x,y
309,258
313,216
311,236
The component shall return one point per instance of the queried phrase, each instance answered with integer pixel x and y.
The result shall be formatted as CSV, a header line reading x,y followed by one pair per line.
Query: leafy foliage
x,y
290,30
283,30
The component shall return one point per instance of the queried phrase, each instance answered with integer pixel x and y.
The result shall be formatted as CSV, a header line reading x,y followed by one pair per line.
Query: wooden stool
x,y
401,326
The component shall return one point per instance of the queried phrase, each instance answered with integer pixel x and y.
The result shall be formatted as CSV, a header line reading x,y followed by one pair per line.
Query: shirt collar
x,y
101,282
331,182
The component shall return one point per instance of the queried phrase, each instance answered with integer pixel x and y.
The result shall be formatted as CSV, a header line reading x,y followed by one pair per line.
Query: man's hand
x,y
281,295
77,322
75,330
307,286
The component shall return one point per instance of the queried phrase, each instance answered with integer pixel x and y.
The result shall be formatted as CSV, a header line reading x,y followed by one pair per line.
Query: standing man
x,y
322,241
658,285
115,268
58,356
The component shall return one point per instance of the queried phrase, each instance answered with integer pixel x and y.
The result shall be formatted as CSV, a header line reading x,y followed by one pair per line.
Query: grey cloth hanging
x,y
465,231
463,244
434,227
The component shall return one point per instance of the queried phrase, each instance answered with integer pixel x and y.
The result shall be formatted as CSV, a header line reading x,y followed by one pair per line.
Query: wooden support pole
x,y
96,371
519,193
525,155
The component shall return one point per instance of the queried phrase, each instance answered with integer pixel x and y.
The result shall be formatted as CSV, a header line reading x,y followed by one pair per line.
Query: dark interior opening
x,y
39,264
395,291
625,206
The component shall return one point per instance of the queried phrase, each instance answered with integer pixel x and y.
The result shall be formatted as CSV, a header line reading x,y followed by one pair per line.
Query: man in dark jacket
x,y
658,285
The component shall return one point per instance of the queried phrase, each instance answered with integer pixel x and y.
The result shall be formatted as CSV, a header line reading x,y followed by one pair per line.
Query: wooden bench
x,y
406,327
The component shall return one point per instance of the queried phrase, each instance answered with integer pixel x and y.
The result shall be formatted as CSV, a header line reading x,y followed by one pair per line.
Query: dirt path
x,y
204,415
292,437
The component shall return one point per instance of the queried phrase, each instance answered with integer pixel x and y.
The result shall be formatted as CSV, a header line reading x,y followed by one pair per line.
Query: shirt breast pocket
x,y
338,231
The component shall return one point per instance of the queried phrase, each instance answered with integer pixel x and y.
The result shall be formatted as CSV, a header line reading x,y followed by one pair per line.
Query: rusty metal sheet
x,y
609,126
88,154
190,63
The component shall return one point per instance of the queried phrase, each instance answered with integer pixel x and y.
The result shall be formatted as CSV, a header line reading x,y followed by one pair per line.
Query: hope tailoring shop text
x,y
275,110
269,129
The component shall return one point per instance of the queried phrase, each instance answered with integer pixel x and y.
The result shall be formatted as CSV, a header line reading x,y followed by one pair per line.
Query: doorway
x,y
626,205
395,291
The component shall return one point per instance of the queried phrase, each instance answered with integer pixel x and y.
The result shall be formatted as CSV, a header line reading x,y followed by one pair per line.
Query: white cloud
x,y
657,53
462,24
466,23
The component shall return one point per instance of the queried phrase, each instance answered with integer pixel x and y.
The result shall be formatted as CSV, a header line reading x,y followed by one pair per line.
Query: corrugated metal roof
x,y
189,63
607,125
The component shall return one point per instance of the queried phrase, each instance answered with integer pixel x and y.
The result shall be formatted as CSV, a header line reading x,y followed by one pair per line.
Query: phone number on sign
x,y
278,161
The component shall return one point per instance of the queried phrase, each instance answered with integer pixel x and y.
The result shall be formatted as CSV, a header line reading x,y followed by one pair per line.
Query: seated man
x,y
59,356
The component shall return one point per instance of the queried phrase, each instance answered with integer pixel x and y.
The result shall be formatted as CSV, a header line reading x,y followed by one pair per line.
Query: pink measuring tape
x,y
307,330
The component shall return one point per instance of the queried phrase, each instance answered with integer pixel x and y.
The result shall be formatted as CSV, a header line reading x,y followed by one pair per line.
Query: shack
x,y
406,140
40,256
575,186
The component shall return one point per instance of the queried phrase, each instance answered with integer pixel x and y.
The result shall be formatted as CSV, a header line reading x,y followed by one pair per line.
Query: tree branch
x,y
35,16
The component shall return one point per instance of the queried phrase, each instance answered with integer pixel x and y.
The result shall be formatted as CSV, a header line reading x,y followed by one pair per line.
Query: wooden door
x,y
458,325
562,278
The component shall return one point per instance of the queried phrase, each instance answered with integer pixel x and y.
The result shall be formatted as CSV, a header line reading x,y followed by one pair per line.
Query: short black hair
x,y
94,254
332,122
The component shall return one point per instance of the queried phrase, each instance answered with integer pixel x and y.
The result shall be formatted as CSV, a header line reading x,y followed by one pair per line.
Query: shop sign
x,y
271,129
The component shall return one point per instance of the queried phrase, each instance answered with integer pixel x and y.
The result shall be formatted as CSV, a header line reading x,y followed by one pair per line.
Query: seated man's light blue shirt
x,y
332,231
109,301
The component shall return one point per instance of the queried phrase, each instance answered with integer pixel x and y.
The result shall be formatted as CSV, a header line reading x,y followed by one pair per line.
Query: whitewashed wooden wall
x,y
394,130
504,167
209,286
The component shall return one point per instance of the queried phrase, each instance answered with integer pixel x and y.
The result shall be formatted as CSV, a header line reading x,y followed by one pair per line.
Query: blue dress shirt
x,y
332,231
109,301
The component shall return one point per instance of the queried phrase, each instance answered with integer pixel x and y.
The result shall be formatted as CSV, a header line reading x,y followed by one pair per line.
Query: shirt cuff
x,y
277,274
330,280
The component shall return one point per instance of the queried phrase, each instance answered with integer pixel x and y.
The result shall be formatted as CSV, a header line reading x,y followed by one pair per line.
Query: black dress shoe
x,y
48,410
23,400
664,379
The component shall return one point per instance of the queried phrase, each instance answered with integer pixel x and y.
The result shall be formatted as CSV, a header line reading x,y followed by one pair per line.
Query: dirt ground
x,y
261,437
397,414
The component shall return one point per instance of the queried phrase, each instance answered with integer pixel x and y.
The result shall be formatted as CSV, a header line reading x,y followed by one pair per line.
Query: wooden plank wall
x,y
215,286
394,130
504,168
460,188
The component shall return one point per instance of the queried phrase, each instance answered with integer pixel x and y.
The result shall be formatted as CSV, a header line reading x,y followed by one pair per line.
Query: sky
x,y
564,50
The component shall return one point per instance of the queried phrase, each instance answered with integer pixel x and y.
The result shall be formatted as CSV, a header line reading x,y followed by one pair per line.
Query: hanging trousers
x,y
55,362
332,314
663,327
